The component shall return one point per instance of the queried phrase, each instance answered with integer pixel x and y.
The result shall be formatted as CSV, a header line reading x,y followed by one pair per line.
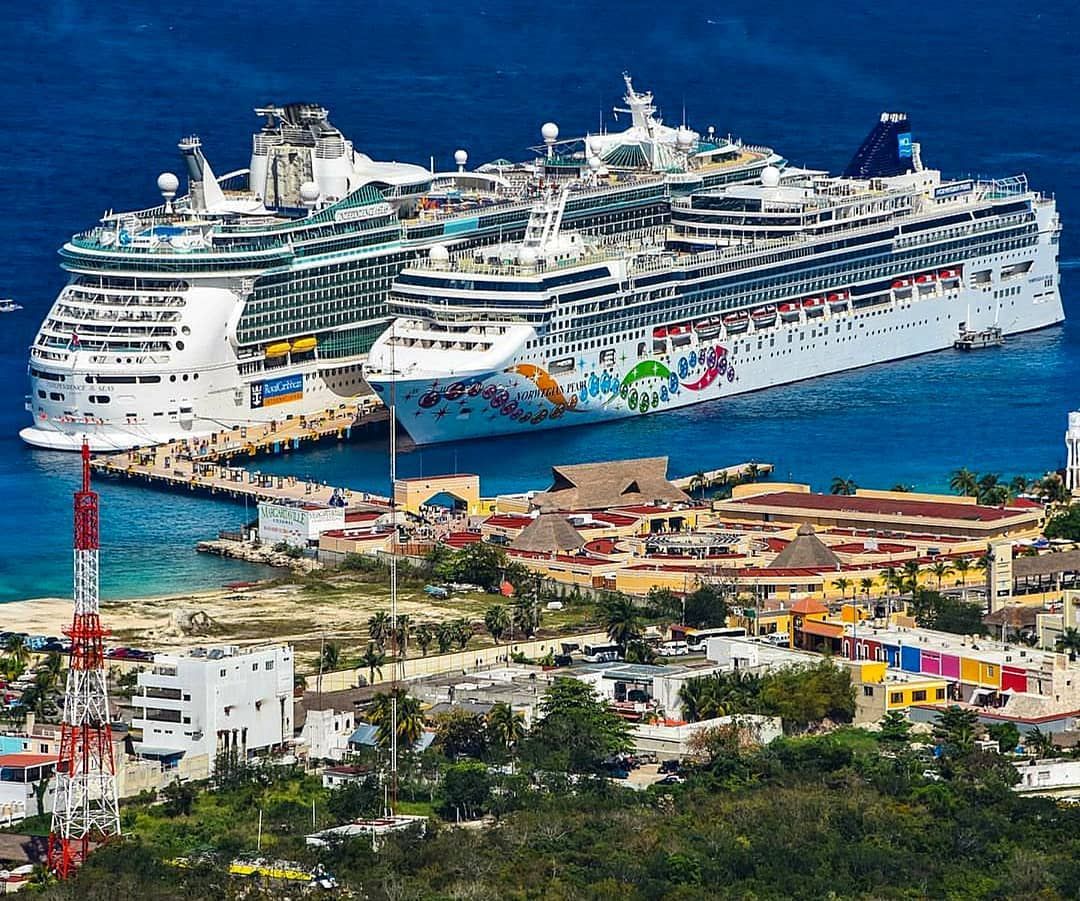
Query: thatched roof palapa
x,y
548,533
601,486
807,551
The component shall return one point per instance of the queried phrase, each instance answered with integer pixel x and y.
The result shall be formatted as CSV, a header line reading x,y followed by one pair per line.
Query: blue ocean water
x,y
95,95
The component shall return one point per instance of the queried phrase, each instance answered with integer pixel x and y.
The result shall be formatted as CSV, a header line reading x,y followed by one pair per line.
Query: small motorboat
x,y
7,305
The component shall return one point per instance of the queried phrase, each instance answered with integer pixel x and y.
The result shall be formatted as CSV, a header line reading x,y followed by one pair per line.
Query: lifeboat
x,y
949,276
707,328
659,332
279,349
736,322
813,306
902,286
764,317
304,344
680,334
926,280
838,301
790,312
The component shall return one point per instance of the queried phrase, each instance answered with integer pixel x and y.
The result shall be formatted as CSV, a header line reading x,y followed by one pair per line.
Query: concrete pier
x,y
204,464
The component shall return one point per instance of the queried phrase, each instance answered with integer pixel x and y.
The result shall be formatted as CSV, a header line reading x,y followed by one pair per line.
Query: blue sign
x,y
277,391
903,144
954,190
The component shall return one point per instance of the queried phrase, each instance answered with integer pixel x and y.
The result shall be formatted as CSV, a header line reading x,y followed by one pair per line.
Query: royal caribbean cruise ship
x,y
258,294
752,285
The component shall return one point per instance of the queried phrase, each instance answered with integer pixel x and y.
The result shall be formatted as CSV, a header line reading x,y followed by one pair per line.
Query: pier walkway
x,y
741,472
203,464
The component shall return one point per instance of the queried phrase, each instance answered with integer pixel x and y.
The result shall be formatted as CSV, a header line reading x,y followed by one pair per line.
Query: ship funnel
x,y
886,151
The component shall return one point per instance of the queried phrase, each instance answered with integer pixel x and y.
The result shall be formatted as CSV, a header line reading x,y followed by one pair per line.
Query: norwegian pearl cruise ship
x,y
753,285
257,295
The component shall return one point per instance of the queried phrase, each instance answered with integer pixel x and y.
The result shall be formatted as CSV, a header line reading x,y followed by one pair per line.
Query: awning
x,y
156,751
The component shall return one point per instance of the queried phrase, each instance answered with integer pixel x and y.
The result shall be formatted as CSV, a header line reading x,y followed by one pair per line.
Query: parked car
x,y
671,766
673,649
672,779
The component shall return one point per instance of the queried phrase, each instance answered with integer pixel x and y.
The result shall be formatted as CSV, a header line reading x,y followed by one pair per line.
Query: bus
x,y
600,653
696,638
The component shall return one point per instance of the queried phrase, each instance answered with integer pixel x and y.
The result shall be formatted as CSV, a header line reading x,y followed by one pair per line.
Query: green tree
x,y
1051,488
372,660
1019,485
1040,743
466,790
506,727
964,482
895,732
867,585
1006,735
402,631
707,607
962,565
425,637
497,621
179,798
460,733
480,563
1064,524
18,650
955,730
940,569
698,482
576,730
329,657
380,629
462,633
911,575
410,722
843,584
840,485
1068,642
621,619
354,800
445,635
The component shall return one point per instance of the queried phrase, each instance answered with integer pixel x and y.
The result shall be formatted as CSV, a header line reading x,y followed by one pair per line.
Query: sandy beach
x,y
301,612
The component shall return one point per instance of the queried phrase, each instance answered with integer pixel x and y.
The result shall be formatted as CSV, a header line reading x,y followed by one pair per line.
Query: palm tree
x,y
723,482
1069,641
51,669
620,618
401,635
1019,485
840,485
752,472
17,648
867,585
373,658
962,565
890,575
299,683
1052,489
462,633
900,486
524,616
911,575
425,636
698,482
506,725
843,584
990,491
410,723
1042,743
444,636
329,657
497,621
940,570
12,668
698,698
379,628
964,482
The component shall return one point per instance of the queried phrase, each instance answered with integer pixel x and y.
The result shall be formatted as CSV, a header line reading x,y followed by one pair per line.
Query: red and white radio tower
x,y
85,807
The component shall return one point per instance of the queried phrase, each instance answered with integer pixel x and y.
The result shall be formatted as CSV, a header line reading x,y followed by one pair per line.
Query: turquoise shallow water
x,y
94,98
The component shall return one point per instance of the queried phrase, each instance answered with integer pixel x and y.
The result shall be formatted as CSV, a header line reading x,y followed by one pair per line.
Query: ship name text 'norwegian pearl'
x,y
257,295
752,285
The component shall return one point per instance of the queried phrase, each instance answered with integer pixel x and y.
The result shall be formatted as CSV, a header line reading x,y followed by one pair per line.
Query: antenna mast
x,y
86,808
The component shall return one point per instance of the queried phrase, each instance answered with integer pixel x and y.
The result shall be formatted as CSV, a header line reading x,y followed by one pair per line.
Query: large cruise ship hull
x,y
523,398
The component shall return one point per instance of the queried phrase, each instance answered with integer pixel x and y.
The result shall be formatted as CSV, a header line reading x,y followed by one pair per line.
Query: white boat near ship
x,y
751,286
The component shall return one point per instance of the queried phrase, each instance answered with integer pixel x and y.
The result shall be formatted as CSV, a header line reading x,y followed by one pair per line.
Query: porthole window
x,y
179,345
185,330
172,378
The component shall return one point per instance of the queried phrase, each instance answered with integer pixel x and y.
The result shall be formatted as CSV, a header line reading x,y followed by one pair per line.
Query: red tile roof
x,y
460,539
883,547
879,506
370,516
808,605
508,520
26,759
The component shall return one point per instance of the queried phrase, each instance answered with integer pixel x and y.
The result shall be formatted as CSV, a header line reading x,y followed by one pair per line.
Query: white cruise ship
x,y
752,285
257,295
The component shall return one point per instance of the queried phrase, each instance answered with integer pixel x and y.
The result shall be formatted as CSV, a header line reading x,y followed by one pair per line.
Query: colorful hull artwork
x,y
526,396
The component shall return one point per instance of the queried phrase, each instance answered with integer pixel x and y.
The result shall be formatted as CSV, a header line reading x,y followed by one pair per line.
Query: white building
x,y
326,733
297,524
211,701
